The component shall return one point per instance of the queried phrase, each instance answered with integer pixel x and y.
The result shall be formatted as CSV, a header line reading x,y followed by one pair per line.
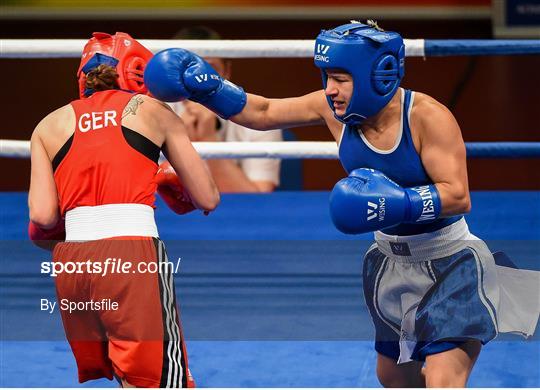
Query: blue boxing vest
x,y
401,164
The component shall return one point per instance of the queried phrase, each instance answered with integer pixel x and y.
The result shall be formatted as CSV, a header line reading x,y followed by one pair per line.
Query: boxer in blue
x,y
434,291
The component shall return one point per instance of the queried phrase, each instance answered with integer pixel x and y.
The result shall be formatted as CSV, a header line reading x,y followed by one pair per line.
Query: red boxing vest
x,y
101,167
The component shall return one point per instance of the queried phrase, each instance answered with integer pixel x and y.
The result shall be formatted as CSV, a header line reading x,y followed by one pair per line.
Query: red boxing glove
x,y
172,191
47,238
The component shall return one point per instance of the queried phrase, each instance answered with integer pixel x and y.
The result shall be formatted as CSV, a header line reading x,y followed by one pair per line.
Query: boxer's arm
x,y
185,160
443,154
176,74
262,113
42,196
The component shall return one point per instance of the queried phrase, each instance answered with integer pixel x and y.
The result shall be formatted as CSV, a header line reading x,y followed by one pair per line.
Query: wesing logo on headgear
x,y
321,51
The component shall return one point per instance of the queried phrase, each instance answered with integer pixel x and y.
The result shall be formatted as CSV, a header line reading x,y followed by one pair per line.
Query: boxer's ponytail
x,y
102,78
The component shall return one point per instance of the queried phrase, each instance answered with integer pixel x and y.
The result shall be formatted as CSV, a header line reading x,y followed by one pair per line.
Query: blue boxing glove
x,y
367,200
177,74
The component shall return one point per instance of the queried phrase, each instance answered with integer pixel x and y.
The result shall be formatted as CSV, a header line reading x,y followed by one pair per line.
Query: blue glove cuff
x,y
226,101
424,204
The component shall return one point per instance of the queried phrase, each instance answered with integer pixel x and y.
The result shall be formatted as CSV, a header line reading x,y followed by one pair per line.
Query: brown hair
x,y
102,78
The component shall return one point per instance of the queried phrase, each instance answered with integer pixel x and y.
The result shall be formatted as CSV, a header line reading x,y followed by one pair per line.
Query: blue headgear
x,y
375,60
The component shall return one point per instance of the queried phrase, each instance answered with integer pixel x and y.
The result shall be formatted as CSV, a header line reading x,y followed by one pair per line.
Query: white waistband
x,y
426,246
110,220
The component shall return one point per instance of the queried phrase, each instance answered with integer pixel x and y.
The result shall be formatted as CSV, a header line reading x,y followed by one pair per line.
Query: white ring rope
x,y
285,150
72,48
303,149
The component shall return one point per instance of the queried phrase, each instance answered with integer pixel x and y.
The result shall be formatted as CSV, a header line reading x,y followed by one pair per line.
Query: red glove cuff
x,y
172,191
47,238
174,199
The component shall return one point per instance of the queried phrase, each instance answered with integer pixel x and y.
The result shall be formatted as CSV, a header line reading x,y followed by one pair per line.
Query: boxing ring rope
x,y
304,150
72,48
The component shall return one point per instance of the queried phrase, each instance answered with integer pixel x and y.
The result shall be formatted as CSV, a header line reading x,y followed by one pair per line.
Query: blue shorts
x,y
429,293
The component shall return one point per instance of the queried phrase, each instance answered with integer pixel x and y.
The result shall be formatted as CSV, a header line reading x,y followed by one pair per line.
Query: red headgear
x,y
119,50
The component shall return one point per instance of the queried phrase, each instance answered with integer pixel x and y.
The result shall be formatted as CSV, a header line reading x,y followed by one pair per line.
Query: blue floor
x,y
270,292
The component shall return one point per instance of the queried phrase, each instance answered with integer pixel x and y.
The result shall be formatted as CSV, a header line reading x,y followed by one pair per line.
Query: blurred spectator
x,y
244,175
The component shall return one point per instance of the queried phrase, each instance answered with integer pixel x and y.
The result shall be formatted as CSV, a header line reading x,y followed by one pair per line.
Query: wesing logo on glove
x,y
321,52
428,208
372,210
201,78
204,77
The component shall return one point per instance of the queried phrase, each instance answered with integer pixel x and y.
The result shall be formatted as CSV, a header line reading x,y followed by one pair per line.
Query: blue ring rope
x,y
448,47
503,149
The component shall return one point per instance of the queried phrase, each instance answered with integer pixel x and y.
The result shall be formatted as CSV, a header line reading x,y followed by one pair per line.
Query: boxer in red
x,y
93,179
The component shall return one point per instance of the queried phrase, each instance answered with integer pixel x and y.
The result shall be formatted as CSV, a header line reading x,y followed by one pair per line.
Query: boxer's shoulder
x,y
429,116
425,106
59,119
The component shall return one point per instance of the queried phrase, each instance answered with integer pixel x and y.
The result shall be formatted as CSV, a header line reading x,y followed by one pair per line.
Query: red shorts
x,y
121,321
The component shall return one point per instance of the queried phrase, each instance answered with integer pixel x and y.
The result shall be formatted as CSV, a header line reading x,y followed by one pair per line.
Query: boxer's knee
x,y
390,374
453,367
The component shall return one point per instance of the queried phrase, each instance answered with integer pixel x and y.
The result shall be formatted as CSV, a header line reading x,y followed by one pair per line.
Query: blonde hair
x,y
371,23
102,78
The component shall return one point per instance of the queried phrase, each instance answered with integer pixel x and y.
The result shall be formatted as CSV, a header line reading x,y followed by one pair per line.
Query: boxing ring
x,y
270,292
